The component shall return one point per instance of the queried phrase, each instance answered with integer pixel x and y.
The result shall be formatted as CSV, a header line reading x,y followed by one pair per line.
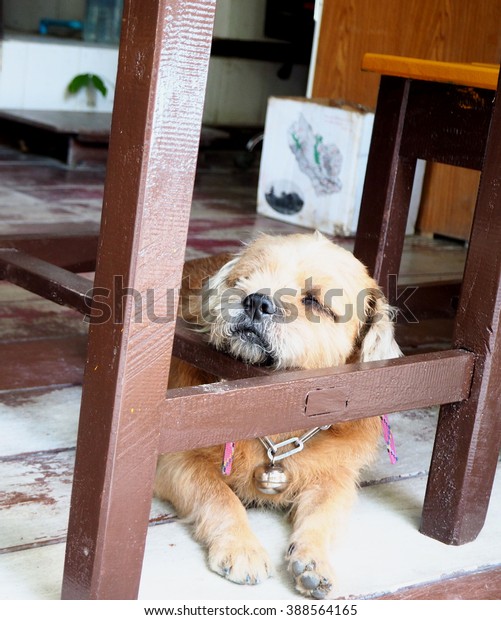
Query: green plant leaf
x,y
98,84
78,82
87,80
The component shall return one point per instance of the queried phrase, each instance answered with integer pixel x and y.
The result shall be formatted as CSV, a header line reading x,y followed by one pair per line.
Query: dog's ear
x,y
376,338
212,290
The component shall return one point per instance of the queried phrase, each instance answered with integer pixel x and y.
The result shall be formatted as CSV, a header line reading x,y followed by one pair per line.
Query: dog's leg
x,y
319,514
220,522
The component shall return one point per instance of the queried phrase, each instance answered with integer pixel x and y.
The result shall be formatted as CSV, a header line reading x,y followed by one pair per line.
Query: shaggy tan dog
x,y
299,302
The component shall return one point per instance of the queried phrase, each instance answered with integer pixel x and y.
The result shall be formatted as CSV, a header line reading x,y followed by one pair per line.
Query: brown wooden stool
x,y
128,418
445,112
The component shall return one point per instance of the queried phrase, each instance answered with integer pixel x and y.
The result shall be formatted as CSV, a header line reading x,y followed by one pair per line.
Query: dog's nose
x,y
257,305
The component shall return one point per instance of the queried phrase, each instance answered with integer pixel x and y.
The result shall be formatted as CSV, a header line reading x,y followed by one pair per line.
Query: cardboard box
x,y
313,164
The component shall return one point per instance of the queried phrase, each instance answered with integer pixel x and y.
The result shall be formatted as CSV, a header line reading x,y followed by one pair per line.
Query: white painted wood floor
x,y
381,552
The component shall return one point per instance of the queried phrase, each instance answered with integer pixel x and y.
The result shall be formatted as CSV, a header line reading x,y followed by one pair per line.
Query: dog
x,y
291,302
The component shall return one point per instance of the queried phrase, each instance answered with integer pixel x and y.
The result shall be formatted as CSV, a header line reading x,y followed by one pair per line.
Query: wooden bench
x,y
71,136
67,135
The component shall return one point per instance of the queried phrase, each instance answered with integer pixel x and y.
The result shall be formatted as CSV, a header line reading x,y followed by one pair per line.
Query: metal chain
x,y
273,448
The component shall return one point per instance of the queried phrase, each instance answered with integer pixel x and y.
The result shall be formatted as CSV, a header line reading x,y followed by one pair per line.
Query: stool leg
x,y
468,436
153,151
387,188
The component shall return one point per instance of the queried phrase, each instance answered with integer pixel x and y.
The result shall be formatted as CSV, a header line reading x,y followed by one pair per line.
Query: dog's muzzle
x,y
258,306
253,325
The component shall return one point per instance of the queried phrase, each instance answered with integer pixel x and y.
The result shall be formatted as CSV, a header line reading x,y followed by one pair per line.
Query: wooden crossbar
x,y
66,288
190,346
72,247
49,281
305,399
466,74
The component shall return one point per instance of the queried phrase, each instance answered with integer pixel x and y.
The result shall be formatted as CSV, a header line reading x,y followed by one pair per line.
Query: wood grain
x,y
483,585
162,68
467,74
448,30
49,281
35,499
468,438
354,391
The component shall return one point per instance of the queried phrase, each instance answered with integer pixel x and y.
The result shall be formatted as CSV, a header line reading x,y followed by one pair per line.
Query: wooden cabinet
x,y
454,30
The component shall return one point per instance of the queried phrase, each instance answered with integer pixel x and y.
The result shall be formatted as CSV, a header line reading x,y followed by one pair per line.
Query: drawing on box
x,y
319,161
284,197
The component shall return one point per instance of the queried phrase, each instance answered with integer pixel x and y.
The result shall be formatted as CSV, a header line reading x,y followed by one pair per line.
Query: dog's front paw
x,y
242,563
312,577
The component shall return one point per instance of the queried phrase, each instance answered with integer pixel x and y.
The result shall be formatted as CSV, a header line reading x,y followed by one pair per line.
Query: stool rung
x,y
302,399
71,246
49,281
190,347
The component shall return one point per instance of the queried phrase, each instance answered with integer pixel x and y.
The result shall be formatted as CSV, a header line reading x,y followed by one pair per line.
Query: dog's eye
x,y
310,301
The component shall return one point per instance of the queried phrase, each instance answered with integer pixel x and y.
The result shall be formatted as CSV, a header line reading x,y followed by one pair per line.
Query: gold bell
x,y
270,479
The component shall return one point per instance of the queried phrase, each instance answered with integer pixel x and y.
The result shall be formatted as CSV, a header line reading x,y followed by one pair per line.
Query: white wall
x,y
34,75
35,71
